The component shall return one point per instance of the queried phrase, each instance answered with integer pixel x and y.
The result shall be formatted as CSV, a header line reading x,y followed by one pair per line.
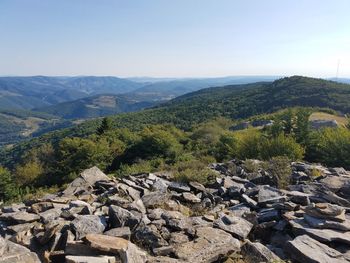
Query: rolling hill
x,y
95,106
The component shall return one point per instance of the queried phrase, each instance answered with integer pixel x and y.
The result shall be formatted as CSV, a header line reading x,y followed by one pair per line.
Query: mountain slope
x,y
95,106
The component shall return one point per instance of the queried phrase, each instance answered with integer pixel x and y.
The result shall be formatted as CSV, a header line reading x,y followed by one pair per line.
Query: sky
x,y
175,38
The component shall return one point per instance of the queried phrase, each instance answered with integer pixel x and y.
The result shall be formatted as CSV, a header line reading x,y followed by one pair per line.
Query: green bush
x,y
281,146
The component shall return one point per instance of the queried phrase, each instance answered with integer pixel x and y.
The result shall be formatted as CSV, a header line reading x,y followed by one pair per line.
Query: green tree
x,y
105,126
8,188
302,126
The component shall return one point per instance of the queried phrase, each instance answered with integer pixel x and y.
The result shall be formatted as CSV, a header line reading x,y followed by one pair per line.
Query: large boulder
x,y
85,181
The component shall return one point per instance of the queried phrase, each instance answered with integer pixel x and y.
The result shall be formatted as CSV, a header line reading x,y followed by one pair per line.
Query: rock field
x,y
150,218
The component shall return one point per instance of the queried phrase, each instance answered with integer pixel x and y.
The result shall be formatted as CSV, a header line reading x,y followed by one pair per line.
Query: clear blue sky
x,y
175,38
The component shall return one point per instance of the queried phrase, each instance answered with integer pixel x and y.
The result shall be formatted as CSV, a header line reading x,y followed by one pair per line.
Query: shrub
x,y
280,170
281,146
195,171
248,144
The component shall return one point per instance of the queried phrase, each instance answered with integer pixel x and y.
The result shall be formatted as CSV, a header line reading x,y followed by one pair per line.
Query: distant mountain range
x,y
40,91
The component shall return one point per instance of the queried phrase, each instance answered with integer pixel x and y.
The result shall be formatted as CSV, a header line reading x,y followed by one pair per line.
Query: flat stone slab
x,y
328,224
128,252
19,217
89,259
307,250
237,226
324,235
209,246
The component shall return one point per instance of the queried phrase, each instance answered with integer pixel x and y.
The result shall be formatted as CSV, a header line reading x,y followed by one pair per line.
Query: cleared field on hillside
x,y
326,116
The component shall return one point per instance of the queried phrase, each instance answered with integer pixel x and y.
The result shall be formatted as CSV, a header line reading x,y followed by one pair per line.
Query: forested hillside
x,y
95,106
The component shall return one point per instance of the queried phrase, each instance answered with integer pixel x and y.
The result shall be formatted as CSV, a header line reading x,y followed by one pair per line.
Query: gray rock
x,y
300,227
149,236
88,224
326,211
19,217
268,214
14,253
155,199
179,187
256,252
41,207
191,198
90,259
128,252
209,245
305,249
50,215
85,181
120,217
269,195
160,185
123,232
236,226
324,223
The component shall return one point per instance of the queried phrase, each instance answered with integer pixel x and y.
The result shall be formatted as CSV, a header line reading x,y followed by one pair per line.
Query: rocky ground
x,y
149,218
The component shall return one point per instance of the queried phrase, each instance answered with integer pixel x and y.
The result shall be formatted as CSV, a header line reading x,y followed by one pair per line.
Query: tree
x,y
7,186
105,126
27,173
302,126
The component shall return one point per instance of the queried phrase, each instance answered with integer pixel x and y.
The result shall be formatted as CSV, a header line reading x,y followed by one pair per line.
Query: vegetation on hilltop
x,y
189,131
